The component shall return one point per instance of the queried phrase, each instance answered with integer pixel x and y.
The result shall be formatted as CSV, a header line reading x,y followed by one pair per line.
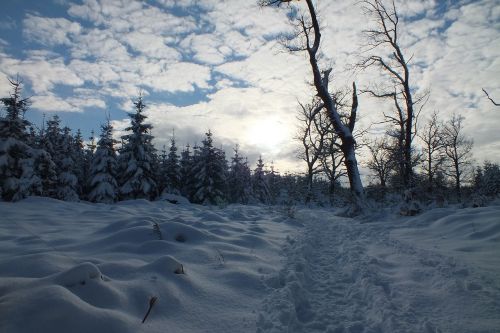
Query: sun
x,y
268,134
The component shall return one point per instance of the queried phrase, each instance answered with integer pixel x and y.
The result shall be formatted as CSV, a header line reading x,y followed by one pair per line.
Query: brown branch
x,y
152,302
491,99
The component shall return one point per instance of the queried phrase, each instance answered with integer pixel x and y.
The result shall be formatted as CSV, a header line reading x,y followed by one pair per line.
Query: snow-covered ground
x,y
79,267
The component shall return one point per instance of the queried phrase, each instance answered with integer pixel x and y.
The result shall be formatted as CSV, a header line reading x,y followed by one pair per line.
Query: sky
x,y
216,64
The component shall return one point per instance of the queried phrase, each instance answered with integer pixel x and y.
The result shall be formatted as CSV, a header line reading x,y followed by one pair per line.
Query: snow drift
x,y
79,267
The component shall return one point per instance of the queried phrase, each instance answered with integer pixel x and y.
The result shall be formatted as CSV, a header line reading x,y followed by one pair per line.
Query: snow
x,y
81,267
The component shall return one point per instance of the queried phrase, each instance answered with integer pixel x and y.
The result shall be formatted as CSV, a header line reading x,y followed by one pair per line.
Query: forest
x,y
52,161
417,160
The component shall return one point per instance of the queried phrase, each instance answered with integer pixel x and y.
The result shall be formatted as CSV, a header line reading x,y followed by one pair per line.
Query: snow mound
x,y
80,274
174,199
80,267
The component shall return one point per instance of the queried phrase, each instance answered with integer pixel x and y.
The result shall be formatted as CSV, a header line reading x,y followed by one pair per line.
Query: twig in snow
x,y
152,302
157,230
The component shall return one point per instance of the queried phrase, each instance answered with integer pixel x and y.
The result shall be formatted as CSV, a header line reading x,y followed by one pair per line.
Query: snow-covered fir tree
x,y
17,159
78,156
171,170
487,179
273,180
239,179
67,182
161,177
137,158
186,172
103,184
59,144
259,184
209,173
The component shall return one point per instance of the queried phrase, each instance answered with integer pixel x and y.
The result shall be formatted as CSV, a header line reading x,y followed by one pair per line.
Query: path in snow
x,y
341,275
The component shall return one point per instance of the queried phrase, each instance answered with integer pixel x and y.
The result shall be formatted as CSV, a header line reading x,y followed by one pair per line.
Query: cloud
x,y
43,74
150,45
50,31
8,23
54,103
222,58
178,77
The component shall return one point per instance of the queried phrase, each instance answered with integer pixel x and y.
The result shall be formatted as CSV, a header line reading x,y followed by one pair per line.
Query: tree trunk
x,y
457,181
344,132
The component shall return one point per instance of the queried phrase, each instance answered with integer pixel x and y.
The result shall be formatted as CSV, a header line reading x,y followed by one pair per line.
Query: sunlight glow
x,y
268,134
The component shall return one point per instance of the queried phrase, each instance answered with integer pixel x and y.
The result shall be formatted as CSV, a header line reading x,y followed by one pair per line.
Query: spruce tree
x,y
209,172
260,187
17,175
137,158
172,170
78,156
186,172
103,184
239,179
67,182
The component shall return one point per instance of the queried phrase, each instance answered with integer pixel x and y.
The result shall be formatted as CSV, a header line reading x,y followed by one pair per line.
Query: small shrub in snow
x,y
180,270
410,205
289,210
479,200
157,230
180,238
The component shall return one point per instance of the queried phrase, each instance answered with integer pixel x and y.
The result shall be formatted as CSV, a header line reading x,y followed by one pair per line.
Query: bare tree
x,y
307,39
381,162
394,65
332,161
433,158
458,151
312,137
491,99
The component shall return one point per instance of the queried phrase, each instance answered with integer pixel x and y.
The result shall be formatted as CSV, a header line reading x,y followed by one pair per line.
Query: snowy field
x,y
79,267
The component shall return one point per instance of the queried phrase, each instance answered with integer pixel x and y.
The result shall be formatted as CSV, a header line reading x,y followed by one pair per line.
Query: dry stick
x,y
152,302
491,99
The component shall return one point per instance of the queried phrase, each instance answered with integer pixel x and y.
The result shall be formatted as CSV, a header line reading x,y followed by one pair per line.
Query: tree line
x,y
54,162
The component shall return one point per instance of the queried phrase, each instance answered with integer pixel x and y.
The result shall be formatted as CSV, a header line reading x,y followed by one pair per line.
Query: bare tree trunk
x,y
458,150
457,178
386,34
312,38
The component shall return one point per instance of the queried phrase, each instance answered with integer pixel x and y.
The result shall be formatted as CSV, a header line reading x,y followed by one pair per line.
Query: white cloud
x,y
42,74
54,103
179,77
50,31
150,45
205,48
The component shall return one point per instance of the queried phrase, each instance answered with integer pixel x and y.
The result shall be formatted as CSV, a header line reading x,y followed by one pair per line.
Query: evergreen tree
x,y
67,182
186,174
137,158
172,170
239,180
260,187
487,179
103,184
78,156
273,181
209,171
17,175
60,183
